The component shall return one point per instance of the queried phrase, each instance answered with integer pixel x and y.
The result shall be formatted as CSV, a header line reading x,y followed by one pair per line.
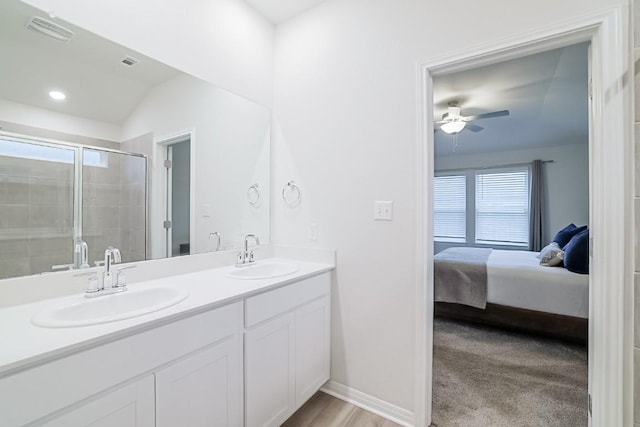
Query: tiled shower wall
x,y
36,215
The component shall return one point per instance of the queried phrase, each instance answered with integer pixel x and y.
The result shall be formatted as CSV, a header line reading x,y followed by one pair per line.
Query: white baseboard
x,y
369,403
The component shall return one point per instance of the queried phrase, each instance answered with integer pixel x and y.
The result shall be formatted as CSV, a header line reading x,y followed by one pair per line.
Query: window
x,y
502,207
482,207
449,208
51,153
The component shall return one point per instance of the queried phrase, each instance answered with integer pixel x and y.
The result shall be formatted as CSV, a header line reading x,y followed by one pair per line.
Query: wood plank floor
x,y
323,410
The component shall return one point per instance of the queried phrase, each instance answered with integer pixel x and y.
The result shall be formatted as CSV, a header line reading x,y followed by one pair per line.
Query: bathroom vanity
x,y
235,352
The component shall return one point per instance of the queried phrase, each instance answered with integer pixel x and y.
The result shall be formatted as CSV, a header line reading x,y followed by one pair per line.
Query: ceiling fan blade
x,y
473,128
488,115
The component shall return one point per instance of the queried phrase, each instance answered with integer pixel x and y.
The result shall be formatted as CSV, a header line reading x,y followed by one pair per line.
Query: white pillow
x,y
551,255
550,246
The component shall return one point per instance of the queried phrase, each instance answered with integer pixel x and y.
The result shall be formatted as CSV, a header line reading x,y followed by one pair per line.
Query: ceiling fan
x,y
453,122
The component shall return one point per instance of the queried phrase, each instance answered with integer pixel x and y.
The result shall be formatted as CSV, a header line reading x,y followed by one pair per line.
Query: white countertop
x,y
23,345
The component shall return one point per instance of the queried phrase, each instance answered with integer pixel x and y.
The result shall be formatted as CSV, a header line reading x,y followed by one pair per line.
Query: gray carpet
x,y
489,377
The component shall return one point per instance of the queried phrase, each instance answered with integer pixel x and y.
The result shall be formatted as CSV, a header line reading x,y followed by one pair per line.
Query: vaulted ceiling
x,y
87,68
278,11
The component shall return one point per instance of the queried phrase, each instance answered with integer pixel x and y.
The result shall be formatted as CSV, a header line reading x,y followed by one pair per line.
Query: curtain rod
x,y
491,167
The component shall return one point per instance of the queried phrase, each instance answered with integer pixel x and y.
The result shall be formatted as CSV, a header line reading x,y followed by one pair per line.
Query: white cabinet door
x,y
312,343
128,406
270,372
203,389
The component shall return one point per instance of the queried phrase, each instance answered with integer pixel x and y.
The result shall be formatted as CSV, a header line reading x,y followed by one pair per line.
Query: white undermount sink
x,y
81,311
263,270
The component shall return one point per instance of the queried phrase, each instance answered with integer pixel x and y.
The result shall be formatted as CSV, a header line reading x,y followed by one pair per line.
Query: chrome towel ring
x,y
253,195
291,194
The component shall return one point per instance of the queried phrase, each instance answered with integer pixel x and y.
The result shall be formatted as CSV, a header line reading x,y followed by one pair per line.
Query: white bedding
x,y
516,279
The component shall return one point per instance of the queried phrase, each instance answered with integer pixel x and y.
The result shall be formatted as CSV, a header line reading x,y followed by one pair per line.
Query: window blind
x,y
449,208
502,207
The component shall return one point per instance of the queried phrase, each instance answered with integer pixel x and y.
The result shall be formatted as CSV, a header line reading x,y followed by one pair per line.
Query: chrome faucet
x,y
111,256
80,257
245,257
108,285
219,239
80,254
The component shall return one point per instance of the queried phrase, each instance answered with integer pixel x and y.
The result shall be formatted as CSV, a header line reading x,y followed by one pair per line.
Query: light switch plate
x,y
383,210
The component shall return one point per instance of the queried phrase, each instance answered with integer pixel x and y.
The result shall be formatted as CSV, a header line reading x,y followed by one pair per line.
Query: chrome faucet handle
x,y
93,286
121,279
117,258
240,259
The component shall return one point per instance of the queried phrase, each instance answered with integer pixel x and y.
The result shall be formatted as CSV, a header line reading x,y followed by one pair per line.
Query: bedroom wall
x,y
345,129
566,180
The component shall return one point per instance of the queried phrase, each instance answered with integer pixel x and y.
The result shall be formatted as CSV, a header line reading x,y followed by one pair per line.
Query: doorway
x,y
498,356
610,207
178,208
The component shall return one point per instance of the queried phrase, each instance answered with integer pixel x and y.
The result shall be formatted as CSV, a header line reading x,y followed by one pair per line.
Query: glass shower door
x,y
36,207
114,204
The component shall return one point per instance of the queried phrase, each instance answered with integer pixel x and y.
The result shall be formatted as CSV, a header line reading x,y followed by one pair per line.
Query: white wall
x,y
47,119
229,152
345,128
225,42
566,180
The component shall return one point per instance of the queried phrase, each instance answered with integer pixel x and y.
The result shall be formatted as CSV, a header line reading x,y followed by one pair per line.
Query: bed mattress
x,y
516,279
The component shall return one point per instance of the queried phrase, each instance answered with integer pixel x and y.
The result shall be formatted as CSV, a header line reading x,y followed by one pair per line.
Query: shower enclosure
x,y
54,194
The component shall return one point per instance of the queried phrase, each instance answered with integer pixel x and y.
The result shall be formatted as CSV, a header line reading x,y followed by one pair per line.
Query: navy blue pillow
x,y
563,236
576,253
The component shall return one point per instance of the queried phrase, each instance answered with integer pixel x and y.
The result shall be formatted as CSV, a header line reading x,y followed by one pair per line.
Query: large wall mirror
x,y
138,155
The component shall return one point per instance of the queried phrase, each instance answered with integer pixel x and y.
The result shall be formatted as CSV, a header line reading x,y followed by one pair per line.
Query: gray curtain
x,y
536,219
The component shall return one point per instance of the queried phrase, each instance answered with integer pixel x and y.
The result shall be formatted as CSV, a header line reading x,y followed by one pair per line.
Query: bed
x,y
520,293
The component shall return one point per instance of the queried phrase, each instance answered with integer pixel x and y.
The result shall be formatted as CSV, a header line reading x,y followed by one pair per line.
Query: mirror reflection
x,y
137,155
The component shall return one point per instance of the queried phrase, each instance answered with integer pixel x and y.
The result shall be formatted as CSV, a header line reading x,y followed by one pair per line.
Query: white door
x,y
270,372
130,406
312,342
203,389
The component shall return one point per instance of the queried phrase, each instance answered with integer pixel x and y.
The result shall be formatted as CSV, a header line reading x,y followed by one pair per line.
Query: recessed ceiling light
x,y
57,95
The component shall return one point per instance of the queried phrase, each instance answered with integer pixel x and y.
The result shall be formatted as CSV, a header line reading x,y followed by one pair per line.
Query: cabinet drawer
x,y
272,303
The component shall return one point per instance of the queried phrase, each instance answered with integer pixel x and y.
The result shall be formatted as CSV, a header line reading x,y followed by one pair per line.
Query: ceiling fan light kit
x,y
453,122
453,127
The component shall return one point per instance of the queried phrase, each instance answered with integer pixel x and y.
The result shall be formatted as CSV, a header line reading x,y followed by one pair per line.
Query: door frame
x,y
610,204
